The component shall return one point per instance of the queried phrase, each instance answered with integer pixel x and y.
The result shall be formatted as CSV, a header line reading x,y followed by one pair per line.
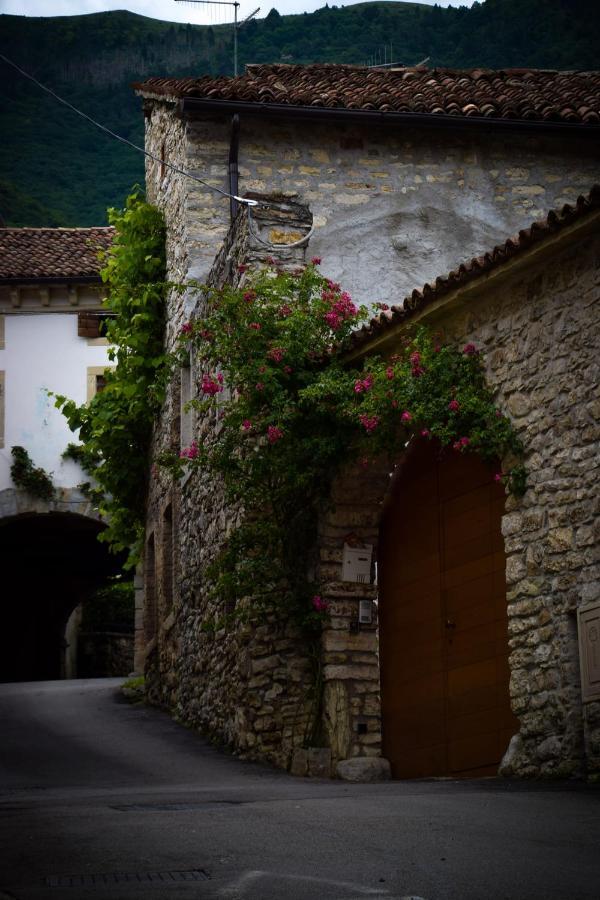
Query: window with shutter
x,y
92,325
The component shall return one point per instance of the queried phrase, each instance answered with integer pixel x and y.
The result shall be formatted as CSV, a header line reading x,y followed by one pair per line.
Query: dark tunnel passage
x,y
50,564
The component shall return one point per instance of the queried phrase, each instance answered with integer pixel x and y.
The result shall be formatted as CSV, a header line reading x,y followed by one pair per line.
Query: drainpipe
x,y
234,145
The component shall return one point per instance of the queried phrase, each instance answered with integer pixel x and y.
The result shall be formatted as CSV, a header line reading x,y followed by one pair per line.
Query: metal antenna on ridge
x,y
236,24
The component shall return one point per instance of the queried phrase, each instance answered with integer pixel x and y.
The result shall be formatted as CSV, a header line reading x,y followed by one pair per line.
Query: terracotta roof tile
x,y
71,253
510,94
479,265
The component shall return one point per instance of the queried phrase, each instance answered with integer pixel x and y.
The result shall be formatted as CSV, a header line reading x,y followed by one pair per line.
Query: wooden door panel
x,y
466,517
460,473
444,689
474,598
427,762
419,661
412,570
462,678
468,560
419,603
475,753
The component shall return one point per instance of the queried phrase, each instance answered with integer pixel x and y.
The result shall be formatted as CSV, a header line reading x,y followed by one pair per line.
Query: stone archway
x,y
51,561
362,501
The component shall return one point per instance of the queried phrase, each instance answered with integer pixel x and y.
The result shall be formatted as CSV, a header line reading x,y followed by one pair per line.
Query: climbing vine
x,y
32,479
271,369
115,427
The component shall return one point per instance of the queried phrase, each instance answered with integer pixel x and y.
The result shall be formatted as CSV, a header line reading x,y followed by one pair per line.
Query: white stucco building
x,y
50,309
51,340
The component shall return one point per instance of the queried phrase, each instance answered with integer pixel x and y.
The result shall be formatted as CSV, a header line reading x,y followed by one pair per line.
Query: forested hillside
x,y
56,169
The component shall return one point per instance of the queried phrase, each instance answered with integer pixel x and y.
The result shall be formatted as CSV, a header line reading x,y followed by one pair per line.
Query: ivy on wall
x,y
33,479
115,427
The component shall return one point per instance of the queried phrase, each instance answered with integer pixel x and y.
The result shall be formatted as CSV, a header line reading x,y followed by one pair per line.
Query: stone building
x,y
395,178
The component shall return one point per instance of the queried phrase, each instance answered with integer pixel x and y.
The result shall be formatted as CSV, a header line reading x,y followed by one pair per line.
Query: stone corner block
x,y
319,762
299,764
510,763
364,769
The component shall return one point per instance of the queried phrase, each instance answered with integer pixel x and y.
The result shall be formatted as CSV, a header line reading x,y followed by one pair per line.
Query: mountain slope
x,y
65,171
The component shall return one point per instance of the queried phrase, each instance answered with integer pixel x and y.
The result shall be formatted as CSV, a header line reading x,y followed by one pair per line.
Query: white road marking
x,y
248,879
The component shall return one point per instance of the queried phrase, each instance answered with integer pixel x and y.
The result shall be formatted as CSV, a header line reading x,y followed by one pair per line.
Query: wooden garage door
x,y
443,624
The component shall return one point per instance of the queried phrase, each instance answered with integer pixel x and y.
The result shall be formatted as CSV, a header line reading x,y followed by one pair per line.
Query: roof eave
x,y
30,280
191,105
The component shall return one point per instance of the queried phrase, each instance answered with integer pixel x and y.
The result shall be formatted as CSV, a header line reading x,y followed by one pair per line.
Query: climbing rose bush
x,y
272,370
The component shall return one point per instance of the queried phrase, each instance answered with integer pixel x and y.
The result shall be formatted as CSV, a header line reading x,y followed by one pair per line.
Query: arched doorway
x,y
51,562
443,621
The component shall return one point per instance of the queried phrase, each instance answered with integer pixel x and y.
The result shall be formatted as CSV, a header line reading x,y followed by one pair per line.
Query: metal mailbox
x,y
356,563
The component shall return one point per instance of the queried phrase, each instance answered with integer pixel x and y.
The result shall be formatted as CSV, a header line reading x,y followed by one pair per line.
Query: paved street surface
x,y
101,799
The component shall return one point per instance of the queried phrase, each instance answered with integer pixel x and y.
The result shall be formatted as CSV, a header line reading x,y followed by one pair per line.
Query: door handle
x,y
450,623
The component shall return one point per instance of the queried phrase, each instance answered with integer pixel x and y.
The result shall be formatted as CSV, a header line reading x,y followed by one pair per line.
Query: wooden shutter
x,y
88,325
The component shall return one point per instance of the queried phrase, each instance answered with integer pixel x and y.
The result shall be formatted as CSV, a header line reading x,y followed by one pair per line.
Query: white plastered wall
x,y
43,352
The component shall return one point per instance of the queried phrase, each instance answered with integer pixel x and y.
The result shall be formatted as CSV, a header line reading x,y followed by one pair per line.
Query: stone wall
x,y
540,335
541,340
392,210
104,654
248,685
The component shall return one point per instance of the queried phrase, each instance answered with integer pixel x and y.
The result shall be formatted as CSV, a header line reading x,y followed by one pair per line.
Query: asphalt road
x,y
107,801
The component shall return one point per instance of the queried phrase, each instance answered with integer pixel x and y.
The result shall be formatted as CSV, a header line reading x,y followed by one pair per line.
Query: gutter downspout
x,y
234,146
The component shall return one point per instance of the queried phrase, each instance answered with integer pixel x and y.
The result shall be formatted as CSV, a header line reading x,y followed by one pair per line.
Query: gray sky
x,y
177,12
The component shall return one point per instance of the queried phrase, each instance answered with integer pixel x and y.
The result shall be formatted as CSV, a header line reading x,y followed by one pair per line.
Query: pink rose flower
x,y
469,349
246,425
276,354
319,604
209,386
249,296
274,434
190,452
406,417
454,406
242,268
316,261
187,328
369,423
333,320
254,325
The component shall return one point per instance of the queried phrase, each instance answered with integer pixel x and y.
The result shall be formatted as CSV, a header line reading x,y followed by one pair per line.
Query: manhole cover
x,y
127,878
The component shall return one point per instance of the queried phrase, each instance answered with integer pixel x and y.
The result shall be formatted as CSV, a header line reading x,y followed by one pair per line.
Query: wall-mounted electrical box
x,y
365,612
356,563
588,622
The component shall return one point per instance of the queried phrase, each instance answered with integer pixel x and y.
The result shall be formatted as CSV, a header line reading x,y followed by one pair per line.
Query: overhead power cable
x,y
123,140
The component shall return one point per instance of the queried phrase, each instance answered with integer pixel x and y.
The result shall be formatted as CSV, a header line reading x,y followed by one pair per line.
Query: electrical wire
x,y
123,140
